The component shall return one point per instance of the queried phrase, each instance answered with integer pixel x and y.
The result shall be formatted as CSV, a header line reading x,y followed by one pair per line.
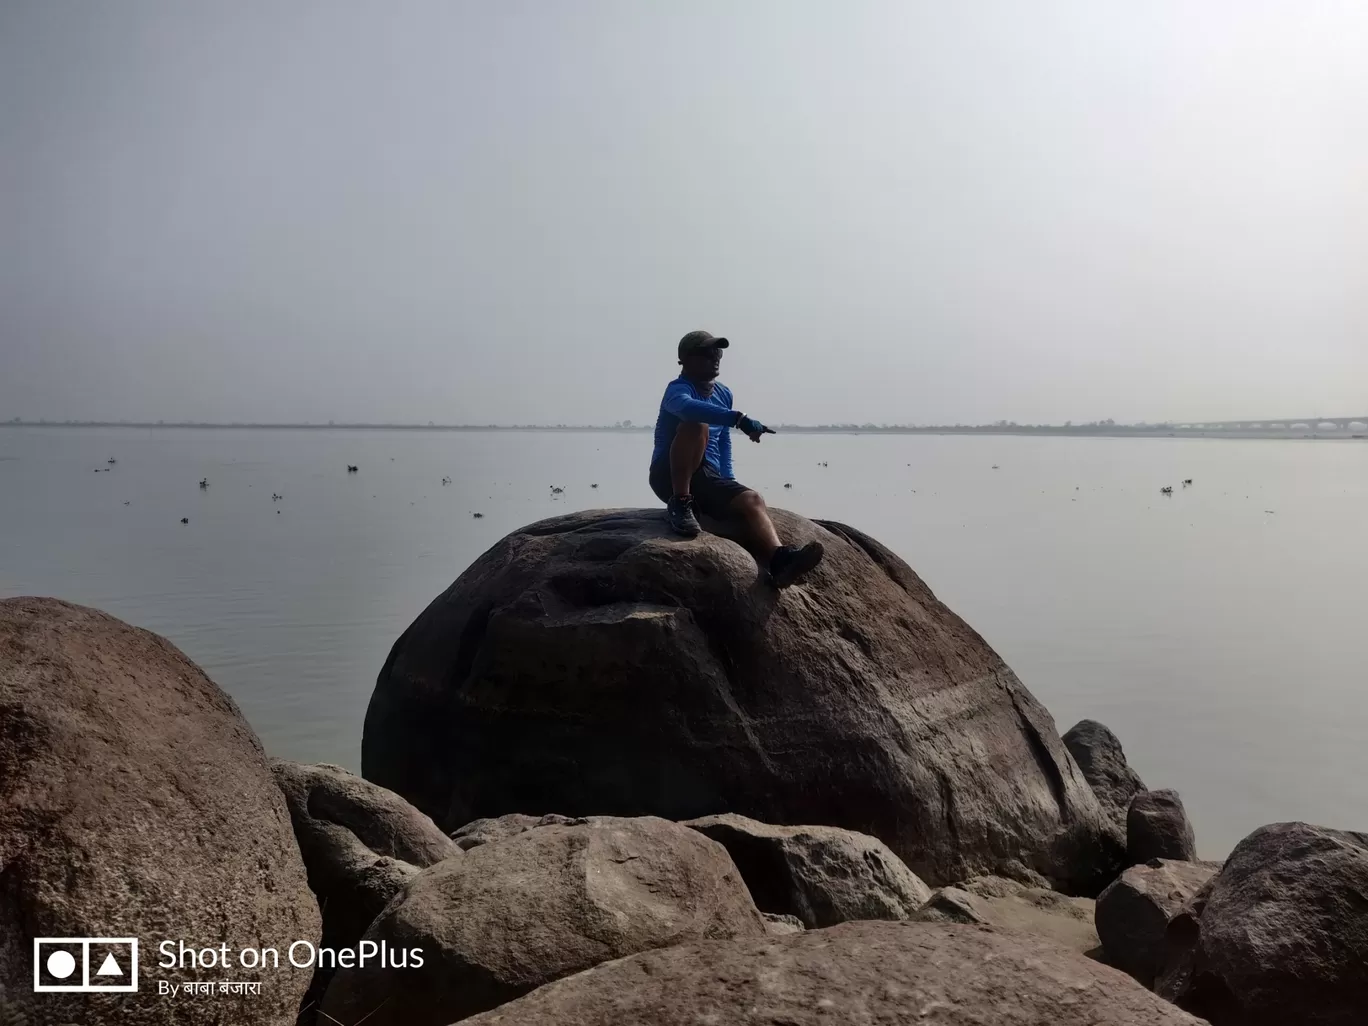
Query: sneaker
x,y
679,514
788,565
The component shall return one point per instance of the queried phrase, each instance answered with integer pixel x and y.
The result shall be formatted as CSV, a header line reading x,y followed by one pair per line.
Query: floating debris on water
x,y
204,482
185,520
351,468
477,516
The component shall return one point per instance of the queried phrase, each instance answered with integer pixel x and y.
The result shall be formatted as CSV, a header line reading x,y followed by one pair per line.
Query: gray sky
x,y
510,211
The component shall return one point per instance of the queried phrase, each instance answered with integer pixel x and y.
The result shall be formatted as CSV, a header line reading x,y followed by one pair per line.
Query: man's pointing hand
x,y
752,428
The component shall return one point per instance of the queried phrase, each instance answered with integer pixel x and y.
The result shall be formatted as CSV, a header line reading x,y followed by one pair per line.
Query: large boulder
x,y
1098,754
1133,913
1281,936
361,843
509,916
820,875
868,972
596,664
1157,827
135,802
1011,905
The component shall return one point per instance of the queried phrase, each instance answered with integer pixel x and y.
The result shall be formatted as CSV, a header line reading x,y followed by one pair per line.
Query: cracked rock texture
x,y
596,664
865,973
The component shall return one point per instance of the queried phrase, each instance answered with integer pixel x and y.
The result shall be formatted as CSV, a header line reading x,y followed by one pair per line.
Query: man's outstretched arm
x,y
695,411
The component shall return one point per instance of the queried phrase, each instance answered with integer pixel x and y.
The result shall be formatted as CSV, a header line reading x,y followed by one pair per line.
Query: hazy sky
x,y
510,211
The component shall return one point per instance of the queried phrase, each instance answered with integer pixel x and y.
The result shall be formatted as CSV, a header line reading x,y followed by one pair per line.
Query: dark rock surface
x,y
509,916
1157,827
594,664
1281,934
1178,976
1098,754
361,843
135,801
1133,914
821,875
872,972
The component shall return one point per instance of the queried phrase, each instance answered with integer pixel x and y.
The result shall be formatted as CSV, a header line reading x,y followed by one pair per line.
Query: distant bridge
x,y
1347,425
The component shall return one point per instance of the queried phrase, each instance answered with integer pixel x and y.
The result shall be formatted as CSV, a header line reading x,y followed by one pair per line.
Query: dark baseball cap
x,y
700,340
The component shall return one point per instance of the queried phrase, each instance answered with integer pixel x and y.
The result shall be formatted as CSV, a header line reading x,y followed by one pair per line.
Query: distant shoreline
x,y
1082,431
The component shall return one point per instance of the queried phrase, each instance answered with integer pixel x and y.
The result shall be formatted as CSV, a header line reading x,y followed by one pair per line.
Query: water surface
x,y
1219,632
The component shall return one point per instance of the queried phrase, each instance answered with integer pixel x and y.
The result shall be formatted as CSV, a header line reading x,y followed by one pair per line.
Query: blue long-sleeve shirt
x,y
684,404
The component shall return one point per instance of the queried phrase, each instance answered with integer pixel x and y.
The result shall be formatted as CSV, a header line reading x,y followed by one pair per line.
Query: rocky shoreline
x,y
610,778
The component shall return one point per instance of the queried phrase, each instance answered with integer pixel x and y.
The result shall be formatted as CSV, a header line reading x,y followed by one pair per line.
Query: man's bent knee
x,y
691,433
749,500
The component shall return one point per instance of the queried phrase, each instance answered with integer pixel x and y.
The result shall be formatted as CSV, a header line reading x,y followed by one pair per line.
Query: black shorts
x,y
712,493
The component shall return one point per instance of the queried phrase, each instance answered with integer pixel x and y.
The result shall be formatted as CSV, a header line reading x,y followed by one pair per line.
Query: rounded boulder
x,y
509,916
596,664
1099,755
1279,935
1157,827
135,802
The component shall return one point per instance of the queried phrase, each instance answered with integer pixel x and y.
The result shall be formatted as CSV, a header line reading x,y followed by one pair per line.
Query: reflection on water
x,y
1217,631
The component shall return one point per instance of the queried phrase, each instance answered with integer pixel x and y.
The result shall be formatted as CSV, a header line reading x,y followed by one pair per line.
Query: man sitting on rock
x,y
691,467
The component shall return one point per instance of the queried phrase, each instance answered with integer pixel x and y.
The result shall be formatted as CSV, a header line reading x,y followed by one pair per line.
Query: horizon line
x,y
1265,424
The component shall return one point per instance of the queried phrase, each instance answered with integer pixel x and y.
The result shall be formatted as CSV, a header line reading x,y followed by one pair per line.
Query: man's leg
x,y
785,563
686,455
761,537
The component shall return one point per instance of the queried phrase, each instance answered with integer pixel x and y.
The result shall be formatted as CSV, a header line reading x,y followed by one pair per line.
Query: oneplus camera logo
x,y
85,965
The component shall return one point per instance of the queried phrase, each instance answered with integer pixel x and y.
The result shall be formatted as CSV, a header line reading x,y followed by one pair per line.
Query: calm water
x,y
1219,632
